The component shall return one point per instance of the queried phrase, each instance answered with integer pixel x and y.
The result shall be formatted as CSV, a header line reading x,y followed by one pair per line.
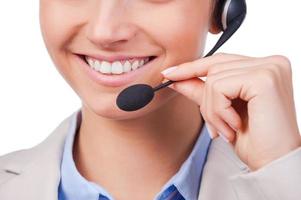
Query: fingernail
x,y
168,70
235,129
223,137
165,80
209,131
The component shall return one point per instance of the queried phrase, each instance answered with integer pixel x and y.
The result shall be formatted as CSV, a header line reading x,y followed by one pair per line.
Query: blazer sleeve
x,y
278,180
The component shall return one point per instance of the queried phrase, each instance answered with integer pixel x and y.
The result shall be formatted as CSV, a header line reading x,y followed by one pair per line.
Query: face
x,y
117,35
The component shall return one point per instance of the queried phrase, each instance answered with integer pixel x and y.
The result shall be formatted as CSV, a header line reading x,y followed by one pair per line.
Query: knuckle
x,y
196,73
215,86
212,117
276,69
213,69
288,69
267,77
281,59
286,65
216,110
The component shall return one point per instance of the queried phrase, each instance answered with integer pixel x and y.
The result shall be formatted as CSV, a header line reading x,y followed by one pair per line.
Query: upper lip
x,y
115,57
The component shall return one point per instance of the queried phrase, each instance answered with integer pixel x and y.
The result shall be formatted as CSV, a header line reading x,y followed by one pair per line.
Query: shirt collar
x,y
187,180
73,186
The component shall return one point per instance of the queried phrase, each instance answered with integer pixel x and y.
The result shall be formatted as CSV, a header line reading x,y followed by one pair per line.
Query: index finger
x,y
200,67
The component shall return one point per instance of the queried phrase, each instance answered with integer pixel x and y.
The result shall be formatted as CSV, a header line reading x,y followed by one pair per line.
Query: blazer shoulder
x,y
12,156
5,162
17,160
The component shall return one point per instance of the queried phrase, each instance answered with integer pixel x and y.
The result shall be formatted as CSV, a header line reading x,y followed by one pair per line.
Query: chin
x,y
107,108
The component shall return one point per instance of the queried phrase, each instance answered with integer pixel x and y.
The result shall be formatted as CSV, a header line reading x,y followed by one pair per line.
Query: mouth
x,y
115,73
117,67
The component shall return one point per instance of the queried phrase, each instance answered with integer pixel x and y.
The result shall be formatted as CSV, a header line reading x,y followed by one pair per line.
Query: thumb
x,y
192,88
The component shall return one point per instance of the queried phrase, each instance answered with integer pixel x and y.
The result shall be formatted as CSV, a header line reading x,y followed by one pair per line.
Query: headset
x,y
228,10
228,16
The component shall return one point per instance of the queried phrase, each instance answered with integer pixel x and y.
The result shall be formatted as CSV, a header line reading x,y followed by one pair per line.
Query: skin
x,y
132,147
247,100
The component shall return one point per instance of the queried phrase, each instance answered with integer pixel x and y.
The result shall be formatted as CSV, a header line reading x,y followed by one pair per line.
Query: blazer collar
x,y
30,169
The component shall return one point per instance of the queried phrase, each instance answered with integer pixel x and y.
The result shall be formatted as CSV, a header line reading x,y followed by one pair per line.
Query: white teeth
x,y
135,65
141,62
97,65
116,67
90,61
105,67
127,66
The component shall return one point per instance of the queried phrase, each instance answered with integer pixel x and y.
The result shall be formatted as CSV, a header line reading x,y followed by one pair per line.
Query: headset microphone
x,y
230,15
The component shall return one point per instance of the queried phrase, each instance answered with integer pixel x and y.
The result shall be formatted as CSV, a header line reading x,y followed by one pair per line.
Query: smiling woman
x,y
115,31
234,136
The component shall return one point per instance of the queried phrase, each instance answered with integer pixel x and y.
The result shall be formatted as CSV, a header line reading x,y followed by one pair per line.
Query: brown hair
x,y
216,12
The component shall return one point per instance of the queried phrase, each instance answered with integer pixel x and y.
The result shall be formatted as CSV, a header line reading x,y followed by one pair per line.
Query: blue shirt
x,y
184,185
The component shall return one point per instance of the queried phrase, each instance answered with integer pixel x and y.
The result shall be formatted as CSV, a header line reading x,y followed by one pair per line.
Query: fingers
x,y
231,117
218,127
220,91
211,130
191,88
215,99
194,90
228,77
220,121
200,67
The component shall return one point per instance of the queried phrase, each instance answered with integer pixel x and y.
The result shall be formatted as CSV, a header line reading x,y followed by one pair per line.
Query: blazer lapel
x,y
34,174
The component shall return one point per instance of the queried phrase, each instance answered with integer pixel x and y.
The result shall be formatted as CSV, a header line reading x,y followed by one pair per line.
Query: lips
x,y
113,80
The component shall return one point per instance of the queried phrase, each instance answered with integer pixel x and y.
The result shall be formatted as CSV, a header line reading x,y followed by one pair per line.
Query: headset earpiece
x,y
231,14
232,10
228,10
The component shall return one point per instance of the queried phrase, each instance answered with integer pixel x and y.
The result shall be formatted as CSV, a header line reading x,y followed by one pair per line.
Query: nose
x,y
109,25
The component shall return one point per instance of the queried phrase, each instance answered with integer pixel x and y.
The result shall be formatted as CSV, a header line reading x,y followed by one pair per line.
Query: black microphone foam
x,y
135,97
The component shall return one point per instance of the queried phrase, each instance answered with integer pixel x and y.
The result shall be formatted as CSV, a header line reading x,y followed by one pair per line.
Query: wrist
x,y
277,153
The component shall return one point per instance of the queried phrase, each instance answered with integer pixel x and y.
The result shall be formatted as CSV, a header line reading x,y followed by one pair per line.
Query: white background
x,y
35,98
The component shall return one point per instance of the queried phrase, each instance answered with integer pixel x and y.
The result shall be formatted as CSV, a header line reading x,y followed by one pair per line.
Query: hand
x,y
248,100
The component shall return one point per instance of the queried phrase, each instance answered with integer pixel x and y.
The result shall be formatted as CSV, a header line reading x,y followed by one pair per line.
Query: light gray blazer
x,y
34,173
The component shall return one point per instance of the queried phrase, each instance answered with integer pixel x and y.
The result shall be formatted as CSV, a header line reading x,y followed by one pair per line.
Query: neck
x,y
151,147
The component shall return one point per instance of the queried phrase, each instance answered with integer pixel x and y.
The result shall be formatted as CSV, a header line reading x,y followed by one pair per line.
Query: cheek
x,y
187,36
49,24
58,23
181,35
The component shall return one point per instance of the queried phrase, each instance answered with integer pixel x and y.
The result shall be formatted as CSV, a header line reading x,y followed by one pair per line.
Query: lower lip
x,y
113,80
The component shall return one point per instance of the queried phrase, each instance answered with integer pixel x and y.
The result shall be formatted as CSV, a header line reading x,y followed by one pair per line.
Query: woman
x,y
163,150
